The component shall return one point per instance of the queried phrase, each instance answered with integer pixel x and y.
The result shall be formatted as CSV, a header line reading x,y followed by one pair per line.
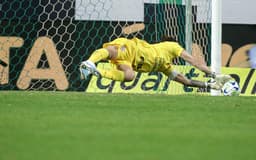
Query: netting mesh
x,y
42,43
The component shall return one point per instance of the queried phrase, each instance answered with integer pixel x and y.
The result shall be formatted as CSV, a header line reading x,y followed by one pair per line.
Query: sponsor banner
x,y
152,83
237,41
245,77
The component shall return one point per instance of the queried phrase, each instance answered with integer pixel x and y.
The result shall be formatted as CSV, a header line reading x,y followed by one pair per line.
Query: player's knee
x,y
129,76
113,51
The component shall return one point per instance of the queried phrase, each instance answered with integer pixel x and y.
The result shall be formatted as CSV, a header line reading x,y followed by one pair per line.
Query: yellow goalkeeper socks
x,y
112,74
98,55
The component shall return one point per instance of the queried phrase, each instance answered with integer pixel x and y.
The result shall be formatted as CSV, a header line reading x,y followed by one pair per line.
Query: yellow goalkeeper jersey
x,y
145,57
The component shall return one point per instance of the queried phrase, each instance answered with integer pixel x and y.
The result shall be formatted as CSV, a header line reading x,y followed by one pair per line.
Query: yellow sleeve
x,y
175,48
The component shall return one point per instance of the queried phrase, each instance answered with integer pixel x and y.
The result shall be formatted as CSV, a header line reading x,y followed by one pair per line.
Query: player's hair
x,y
168,38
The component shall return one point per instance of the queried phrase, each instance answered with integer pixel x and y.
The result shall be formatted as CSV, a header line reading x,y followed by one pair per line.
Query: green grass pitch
x,y
82,126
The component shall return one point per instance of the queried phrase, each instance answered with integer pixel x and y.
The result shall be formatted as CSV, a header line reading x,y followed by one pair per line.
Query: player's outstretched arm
x,y
196,63
201,65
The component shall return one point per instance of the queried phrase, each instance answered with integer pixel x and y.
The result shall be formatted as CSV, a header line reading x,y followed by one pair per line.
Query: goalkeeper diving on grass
x,y
136,55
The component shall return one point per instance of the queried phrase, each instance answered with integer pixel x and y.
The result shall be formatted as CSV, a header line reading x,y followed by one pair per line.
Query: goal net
x,y
42,43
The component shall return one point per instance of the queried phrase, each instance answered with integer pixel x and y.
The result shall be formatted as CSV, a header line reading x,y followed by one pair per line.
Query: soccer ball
x,y
231,88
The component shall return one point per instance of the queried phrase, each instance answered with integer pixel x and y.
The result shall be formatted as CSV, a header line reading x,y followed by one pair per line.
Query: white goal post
x,y
216,39
216,33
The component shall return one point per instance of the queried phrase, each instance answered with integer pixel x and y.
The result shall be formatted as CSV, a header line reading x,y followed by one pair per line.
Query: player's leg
x,y
122,73
88,67
129,73
110,52
112,74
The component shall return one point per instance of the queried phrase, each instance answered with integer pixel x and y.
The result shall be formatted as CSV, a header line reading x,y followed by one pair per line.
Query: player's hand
x,y
222,78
